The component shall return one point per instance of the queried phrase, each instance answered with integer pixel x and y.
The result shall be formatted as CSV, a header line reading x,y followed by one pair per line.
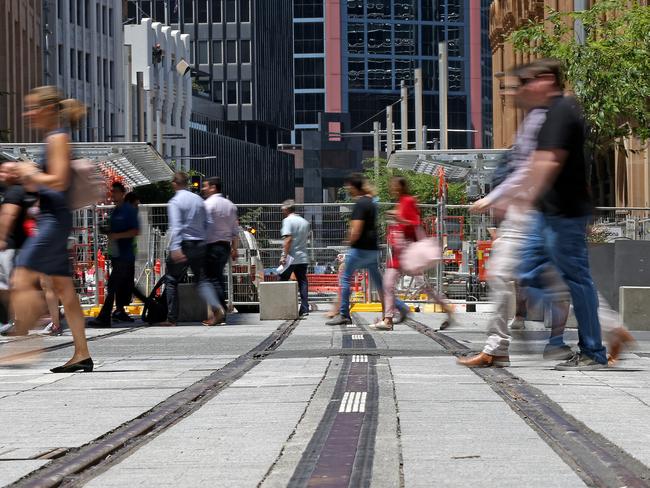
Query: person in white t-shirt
x,y
295,258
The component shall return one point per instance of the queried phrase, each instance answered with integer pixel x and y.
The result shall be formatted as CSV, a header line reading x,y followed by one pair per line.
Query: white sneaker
x,y
51,329
517,323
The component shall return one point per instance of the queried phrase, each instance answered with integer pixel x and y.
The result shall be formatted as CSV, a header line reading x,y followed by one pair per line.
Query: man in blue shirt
x,y
187,248
123,228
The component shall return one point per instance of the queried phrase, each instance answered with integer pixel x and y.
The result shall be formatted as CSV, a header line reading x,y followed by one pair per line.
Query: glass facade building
x,y
384,41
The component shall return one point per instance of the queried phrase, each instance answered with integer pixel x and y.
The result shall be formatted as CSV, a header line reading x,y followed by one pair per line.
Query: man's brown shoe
x,y
484,360
618,339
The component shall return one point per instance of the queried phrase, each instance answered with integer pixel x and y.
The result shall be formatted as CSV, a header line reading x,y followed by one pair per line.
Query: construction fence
x,y
465,238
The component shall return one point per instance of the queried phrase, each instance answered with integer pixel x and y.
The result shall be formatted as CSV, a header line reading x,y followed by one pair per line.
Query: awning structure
x,y
457,163
138,163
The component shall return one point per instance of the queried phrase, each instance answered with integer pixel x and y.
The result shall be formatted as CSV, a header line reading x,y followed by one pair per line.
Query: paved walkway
x,y
324,406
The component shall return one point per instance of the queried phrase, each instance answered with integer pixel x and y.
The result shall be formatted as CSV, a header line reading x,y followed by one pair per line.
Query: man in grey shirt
x,y
187,248
295,232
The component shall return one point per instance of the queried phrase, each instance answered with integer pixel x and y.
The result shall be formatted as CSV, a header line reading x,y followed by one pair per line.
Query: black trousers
x,y
217,258
300,270
120,289
195,252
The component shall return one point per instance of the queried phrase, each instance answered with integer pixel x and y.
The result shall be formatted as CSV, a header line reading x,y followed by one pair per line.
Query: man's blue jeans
x,y
566,246
355,260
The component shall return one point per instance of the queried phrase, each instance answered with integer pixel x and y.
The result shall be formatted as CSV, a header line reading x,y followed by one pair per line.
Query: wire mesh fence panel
x,y
465,239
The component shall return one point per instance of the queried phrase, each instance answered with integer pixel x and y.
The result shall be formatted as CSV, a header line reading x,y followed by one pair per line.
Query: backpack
x,y
155,307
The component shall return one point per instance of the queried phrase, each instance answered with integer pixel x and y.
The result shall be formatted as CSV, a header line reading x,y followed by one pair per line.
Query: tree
x,y
423,186
608,68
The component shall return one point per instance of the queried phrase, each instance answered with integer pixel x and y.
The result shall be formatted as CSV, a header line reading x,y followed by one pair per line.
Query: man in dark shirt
x,y
364,249
559,171
13,213
124,227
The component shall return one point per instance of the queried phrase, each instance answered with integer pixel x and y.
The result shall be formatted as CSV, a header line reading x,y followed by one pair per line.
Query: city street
x,y
276,404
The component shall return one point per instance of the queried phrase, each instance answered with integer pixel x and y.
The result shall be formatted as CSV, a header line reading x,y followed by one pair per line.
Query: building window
x,y
111,28
71,11
73,71
187,11
80,65
245,53
217,91
104,15
87,14
232,93
245,92
309,72
244,11
217,52
202,11
308,105
87,67
308,37
79,11
231,6
314,8
357,73
203,52
192,52
60,56
99,70
455,41
59,9
98,18
231,52
357,40
216,11
379,74
111,77
105,71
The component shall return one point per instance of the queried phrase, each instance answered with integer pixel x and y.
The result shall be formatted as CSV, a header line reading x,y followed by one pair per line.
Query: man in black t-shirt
x,y
560,173
364,248
15,204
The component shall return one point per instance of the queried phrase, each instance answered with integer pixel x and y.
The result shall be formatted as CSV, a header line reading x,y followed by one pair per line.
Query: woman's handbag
x,y
87,185
421,255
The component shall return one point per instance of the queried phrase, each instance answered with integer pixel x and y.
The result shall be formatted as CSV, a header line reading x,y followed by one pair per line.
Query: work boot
x,y
484,360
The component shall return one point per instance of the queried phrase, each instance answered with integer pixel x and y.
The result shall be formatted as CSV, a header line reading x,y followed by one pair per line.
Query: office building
x,y
242,84
84,58
21,28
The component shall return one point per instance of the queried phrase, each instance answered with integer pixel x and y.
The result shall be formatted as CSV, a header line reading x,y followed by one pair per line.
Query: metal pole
x,y
95,252
405,115
375,128
230,285
418,110
424,137
389,130
443,88
140,100
128,100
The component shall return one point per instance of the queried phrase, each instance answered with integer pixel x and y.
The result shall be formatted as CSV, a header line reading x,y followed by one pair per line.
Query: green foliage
x,y
160,192
424,187
609,70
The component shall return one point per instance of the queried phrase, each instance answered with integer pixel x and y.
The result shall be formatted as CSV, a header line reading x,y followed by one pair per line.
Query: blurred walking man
x,y
530,95
187,248
222,238
295,232
559,179
364,248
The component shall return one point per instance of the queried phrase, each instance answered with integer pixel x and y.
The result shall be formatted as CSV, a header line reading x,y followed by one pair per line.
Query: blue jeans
x,y
355,260
535,267
566,246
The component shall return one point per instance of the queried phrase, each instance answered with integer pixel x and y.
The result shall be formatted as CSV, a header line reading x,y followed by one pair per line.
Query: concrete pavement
x,y
436,423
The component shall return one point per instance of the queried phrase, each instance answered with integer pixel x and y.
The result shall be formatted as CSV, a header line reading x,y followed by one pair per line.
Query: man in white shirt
x,y
295,232
222,236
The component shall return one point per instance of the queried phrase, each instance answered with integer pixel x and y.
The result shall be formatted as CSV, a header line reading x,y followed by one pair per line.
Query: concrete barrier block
x,y
278,300
634,306
191,307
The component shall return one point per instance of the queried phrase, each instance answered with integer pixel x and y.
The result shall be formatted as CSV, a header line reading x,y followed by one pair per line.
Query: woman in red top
x,y
403,231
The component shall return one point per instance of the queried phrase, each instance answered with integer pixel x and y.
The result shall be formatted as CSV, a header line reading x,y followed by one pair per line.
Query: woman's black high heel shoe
x,y
85,365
